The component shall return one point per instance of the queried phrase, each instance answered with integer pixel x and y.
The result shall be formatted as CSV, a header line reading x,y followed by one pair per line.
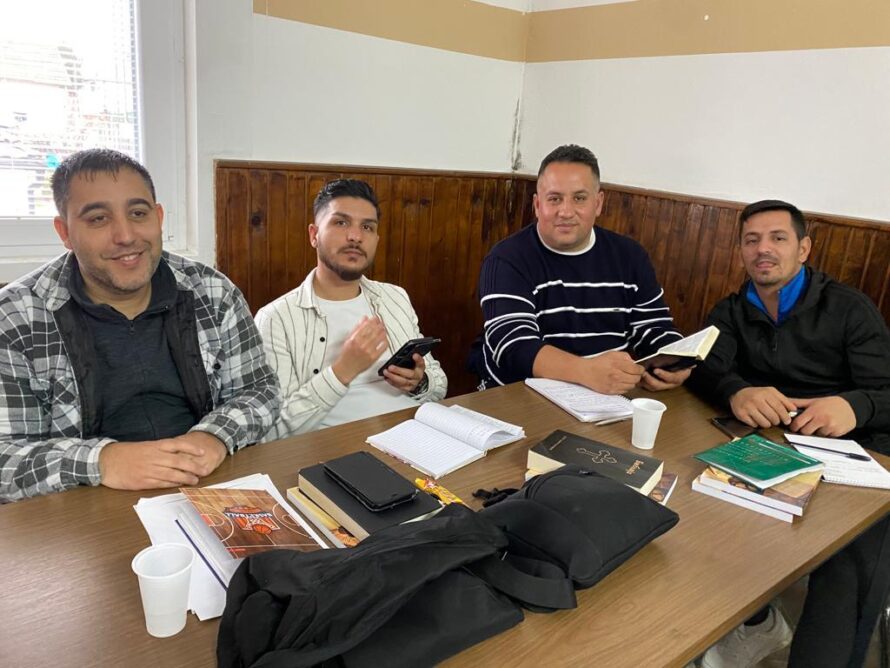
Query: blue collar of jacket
x,y
789,295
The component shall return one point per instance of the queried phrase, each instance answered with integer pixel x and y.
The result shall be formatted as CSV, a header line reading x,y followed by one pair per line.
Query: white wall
x,y
811,127
273,89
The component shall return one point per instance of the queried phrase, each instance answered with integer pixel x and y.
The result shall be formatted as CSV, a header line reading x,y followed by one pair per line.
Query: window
x,y
77,75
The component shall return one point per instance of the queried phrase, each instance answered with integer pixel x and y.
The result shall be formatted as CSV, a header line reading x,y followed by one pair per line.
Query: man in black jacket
x,y
799,350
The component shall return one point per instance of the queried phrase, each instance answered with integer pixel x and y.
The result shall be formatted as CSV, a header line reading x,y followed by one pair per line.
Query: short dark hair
x,y
344,188
91,161
797,219
571,153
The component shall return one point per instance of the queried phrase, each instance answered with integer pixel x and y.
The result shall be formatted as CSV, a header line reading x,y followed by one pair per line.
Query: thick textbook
x,y
790,496
440,440
327,493
640,472
684,353
581,402
759,461
335,532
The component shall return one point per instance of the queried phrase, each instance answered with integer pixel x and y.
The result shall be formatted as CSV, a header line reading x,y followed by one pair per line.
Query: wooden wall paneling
x,y
258,239
221,195
719,280
876,277
299,251
699,267
442,311
855,257
237,231
685,241
276,235
392,226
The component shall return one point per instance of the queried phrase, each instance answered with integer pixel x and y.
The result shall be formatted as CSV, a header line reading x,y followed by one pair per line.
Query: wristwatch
x,y
422,386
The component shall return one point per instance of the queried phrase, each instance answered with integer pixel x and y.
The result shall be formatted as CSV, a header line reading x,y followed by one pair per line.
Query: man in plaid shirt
x,y
121,364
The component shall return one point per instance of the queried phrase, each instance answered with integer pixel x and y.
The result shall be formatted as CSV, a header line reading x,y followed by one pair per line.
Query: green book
x,y
759,461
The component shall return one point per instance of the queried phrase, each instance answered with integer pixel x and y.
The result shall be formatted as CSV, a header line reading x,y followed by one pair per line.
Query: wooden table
x,y
68,596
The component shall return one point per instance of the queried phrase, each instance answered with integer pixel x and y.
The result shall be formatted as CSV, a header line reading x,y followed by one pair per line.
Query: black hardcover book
x,y
633,469
319,486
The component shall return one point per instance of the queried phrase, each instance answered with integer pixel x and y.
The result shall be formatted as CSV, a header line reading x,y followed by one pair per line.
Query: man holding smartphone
x,y
799,350
327,338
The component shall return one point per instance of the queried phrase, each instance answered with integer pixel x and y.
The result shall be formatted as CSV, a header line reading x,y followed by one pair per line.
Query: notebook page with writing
x,y
839,469
475,429
425,448
582,402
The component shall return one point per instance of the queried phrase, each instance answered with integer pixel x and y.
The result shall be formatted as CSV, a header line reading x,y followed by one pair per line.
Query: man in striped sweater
x,y
327,337
566,301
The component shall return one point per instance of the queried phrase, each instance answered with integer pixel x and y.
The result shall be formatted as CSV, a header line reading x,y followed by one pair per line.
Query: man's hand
x,y
825,416
610,373
761,406
405,379
214,449
169,462
362,348
660,379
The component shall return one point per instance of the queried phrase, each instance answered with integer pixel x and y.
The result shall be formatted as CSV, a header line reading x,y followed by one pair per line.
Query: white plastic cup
x,y
164,572
647,417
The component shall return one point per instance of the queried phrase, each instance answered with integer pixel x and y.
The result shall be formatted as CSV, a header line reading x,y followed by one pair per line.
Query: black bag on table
x,y
417,593
568,529
399,598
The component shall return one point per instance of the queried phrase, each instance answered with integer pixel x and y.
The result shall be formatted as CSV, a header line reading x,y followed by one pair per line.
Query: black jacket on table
x,y
834,342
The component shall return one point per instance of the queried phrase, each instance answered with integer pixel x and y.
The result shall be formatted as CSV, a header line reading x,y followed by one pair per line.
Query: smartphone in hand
x,y
404,356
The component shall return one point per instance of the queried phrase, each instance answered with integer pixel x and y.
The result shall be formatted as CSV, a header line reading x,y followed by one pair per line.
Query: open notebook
x,y
838,468
582,402
440,440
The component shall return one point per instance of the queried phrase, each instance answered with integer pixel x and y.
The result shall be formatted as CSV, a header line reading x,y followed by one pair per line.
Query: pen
x,y
612,420
851,455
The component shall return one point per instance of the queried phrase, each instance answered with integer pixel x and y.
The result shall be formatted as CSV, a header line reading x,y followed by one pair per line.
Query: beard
x,y
345,273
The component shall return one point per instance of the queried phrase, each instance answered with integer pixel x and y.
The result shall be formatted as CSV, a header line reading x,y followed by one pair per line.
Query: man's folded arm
x,y
511,337
868,354
32,463
248,403
650,321
303,406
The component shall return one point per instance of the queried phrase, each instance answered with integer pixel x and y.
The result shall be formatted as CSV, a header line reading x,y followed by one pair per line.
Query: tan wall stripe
x,y
623,30
678,27
454,25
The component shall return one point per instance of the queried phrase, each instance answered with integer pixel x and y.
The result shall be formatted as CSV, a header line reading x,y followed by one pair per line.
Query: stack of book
x,y
343,518
224,525
642,473
755,473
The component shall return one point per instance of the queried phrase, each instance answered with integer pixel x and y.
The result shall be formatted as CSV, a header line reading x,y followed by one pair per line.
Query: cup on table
x,y
164,573
647,417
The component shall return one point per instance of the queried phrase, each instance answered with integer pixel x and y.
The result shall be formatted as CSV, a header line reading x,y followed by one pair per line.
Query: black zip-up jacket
x,y
834,342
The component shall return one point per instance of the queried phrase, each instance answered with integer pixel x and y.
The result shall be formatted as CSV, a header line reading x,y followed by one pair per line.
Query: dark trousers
x,y
843,602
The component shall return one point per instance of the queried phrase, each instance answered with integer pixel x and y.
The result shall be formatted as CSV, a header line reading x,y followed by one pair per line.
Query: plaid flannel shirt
x,y
42,448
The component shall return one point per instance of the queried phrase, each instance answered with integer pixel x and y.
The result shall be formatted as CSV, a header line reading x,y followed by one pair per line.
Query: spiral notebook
x,y
838,468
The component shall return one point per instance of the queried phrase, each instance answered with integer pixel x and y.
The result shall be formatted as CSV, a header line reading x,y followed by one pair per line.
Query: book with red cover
x,y
249,521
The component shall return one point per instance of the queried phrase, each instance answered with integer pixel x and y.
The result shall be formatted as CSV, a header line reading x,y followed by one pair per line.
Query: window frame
x,y
28,242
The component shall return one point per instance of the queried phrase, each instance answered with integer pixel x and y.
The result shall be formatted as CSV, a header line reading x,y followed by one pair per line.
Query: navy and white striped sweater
x,y
606,298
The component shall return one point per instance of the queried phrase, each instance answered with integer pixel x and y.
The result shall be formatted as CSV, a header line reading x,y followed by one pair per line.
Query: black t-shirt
x,y
139,396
